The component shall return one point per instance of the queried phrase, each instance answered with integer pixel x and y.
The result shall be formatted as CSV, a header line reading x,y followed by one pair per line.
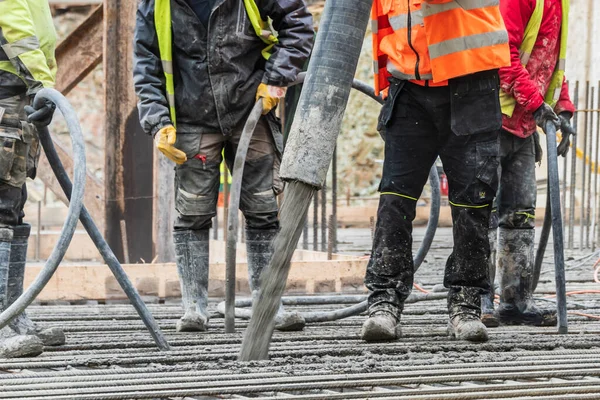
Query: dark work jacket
x,y
216,69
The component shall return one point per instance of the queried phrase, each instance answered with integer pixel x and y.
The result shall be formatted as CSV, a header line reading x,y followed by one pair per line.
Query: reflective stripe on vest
x,y
163,26
532,30
435,50
483,43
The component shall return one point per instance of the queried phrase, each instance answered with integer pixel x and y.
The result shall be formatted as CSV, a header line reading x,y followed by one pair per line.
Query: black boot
x,y
464,309
259,246
191,253
515,264
487,299
12,344
22,324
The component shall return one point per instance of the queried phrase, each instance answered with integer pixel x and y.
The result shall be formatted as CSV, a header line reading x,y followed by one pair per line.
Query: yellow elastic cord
x,y
526,214
468,206
399,195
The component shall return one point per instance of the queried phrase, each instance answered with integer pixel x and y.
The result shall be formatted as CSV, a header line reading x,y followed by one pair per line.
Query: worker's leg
x,y
411,143
516,208
13,172
196,193
258,202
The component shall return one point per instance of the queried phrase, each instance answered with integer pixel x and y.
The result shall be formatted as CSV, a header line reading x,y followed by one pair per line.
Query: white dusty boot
x,y
515,265
12,344
22,324
191,253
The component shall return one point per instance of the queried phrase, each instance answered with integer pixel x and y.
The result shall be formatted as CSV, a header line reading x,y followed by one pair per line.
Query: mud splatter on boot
x,y
259,246
12,344
382,325
464,310
191,253
487,299
515,265
22,324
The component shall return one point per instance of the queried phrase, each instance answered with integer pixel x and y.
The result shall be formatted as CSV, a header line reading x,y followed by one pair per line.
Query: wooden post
x,y
129,154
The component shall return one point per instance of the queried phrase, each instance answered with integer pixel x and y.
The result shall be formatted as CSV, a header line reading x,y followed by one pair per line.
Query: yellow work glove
x,y
270,95
165,142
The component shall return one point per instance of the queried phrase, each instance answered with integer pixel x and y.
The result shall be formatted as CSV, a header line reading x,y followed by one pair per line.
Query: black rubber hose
x,y
557,229
232,216
75,206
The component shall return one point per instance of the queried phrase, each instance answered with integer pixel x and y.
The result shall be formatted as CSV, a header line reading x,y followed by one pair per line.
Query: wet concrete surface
x,y
109,355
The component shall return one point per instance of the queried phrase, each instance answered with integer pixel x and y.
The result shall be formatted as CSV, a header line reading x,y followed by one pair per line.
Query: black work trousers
x,y
420,126
514,206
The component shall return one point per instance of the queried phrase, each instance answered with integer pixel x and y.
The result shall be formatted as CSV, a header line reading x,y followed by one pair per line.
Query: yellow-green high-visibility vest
x,y
162,23
507,101
28,39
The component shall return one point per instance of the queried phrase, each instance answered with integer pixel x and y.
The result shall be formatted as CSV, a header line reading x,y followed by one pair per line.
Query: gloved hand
x,y
544,114
41,116
270,95
165,142
567,130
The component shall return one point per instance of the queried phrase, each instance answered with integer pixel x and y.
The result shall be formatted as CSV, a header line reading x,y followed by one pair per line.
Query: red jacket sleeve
x,y
564,103
515,79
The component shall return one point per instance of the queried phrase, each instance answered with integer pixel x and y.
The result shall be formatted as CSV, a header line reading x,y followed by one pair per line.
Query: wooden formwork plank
x,y
95,282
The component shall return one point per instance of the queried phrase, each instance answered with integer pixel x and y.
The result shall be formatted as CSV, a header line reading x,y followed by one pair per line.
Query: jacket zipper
x,y
409,37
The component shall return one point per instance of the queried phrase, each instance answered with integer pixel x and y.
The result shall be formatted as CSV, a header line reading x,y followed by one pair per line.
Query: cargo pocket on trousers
x,y
475,106
8,142
487,170
387,111
190,204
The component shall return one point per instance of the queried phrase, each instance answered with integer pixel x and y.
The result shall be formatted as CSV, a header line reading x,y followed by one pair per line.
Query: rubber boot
x,y
382,325
259,246
487,299
12,344
515,265
191,256
22,324
464,310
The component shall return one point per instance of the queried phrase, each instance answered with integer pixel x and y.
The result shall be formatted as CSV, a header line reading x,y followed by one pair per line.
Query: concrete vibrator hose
x,y
545,235
74,192
557,228
229,309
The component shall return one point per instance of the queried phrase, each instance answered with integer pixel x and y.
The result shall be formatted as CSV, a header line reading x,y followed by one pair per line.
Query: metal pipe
x,y
334,189
590,129
573,182
583,167
315,223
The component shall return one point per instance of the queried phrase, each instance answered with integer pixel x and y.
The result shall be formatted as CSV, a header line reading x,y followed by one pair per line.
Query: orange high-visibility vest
x,y
424,42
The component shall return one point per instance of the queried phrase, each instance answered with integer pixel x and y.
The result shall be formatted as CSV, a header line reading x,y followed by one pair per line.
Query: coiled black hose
x,y
74,192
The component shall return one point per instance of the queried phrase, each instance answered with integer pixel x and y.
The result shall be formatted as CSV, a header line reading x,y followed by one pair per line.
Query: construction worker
x,y
533,91
27,65
441,59
200,66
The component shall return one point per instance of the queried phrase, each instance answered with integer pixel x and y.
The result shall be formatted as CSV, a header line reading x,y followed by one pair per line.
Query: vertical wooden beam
x,y
129,158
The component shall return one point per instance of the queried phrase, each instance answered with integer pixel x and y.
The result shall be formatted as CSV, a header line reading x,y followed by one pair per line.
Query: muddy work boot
x,y
515,265
487,298
467,327
259,246
22,324
464,310
12,344
382,325
191,256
